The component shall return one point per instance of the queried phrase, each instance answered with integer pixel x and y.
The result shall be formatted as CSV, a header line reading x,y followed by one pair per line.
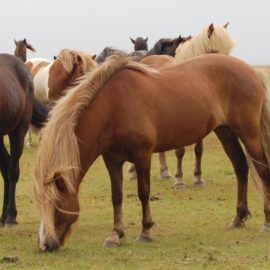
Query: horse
x,y
21,48
51,78
120,111
140,44
213,39
109,51
167,46
17,109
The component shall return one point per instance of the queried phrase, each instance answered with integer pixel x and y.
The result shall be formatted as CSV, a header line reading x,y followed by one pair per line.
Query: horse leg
x,y
198,150
115,169
179,182
16,139
29,138
143,166
237,157
258,161
4,163
132,171
164,171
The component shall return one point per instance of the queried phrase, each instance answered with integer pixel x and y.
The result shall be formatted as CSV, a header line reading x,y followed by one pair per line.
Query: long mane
x,y
67,58
220,41
58,153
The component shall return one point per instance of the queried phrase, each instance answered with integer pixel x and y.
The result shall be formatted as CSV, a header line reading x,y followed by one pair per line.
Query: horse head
x,y
66,68
58,214
107,51
140,44
21,48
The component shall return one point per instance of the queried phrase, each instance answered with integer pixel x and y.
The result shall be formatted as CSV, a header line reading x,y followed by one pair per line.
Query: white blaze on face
x,y
42,238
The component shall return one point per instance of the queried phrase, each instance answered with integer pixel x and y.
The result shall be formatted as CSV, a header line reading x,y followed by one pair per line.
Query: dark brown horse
x,y
21,48
109,51
17,109
167,46
121,112
140,44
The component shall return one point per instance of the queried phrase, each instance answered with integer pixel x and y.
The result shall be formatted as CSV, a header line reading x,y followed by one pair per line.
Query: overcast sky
x,y
90,25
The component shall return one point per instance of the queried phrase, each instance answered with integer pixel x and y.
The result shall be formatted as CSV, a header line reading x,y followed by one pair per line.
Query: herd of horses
x,y
125,107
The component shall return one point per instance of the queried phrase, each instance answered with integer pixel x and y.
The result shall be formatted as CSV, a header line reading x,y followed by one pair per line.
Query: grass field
x,y
191,224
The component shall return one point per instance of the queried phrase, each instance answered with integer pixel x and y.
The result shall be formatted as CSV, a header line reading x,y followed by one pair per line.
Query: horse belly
x,y
11,109
41,88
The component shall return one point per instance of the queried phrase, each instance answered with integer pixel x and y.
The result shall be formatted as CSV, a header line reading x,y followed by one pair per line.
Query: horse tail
x,y
265,140
40,114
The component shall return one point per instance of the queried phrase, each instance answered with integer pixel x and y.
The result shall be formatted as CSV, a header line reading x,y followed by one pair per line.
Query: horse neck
x,y
93,132
20,55
59,80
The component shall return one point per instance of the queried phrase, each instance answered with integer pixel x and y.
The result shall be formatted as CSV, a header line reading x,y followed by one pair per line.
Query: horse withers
x,y
120,111
17,109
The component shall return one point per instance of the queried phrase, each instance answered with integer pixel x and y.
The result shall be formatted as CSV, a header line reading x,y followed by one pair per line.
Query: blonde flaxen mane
x,y
68,59
218,40
58,153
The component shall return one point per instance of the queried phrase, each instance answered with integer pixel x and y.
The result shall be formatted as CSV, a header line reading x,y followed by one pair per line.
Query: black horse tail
x,y
40,114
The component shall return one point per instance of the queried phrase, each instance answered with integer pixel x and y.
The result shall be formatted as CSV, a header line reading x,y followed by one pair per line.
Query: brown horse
x,y
125,111
21,48
52,78
17,108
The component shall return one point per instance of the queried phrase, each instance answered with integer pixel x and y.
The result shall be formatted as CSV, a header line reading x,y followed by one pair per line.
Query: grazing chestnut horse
x,y
17,109
21,48
120,111
52,78
140,44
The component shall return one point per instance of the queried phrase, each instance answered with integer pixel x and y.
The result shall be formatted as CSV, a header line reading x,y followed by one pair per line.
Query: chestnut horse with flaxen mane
x,y
126,111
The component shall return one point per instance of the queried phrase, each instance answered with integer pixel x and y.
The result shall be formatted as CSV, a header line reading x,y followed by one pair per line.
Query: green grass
x,y
191,224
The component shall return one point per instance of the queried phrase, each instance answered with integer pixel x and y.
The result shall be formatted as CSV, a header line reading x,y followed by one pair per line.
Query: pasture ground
x,y
191,224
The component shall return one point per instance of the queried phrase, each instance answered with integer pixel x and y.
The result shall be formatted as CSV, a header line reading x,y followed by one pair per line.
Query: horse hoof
x,y
11,224
199,183
165,175
179,186
144,239
109,244
236,224
265,228
112,241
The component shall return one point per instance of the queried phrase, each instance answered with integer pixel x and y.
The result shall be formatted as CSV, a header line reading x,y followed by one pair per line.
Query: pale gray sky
x,y
90,25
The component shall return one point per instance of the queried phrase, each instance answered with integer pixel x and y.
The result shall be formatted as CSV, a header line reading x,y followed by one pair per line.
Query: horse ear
x,y
94,56
24,41
132,40
54,57
146,39
15,41
79,59
226,25
210,30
